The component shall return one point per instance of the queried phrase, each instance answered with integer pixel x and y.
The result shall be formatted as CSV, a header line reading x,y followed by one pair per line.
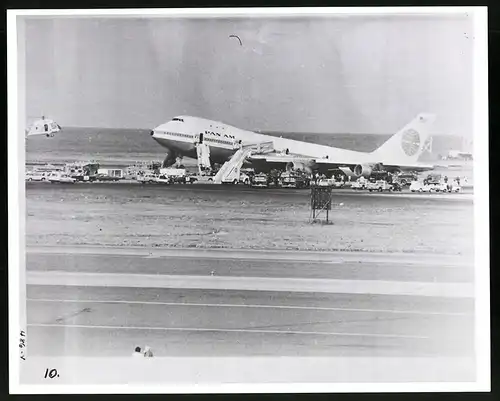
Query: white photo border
x,y
16,207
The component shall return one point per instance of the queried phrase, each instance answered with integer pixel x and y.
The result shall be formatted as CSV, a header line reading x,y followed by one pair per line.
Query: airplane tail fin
x,y
408,144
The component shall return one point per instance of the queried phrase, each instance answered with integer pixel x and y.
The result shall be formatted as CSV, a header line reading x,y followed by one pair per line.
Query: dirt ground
x,y
239,217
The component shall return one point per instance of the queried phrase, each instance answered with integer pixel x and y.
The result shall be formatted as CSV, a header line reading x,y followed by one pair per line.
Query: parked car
x,y
361,183
406,178
379,186
203,178
244,178
163,179
35,176
326,182
418,186
101,177
146,178
438,187
61,179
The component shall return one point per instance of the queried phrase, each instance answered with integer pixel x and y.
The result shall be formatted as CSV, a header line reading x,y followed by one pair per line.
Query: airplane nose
x,y
152,133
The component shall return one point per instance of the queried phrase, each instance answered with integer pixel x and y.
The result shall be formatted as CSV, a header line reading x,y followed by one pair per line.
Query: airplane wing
x,y
323,165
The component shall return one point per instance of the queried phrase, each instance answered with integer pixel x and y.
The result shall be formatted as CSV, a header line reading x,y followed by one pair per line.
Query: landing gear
x,y
168,161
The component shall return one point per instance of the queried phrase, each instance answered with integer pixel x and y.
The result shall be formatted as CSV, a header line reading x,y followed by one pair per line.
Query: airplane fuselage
x,y
181,134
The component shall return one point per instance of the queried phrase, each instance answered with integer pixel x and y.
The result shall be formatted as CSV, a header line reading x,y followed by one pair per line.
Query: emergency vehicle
x,y
260,180
379,185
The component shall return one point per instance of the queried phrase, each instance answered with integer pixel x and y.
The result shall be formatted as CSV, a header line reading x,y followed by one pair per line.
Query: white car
x,y
35,176
244,178
380,186
163,179
326,182
203,178
148,177
417,186
438,187
359,184
61,178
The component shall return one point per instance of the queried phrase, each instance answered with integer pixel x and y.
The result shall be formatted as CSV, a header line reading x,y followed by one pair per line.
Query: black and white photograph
x,y
248,200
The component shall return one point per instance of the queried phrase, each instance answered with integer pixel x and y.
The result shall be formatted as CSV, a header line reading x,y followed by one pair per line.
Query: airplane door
x,y
201,137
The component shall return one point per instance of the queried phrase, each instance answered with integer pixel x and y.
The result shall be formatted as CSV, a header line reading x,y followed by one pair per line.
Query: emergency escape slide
x,y
233,165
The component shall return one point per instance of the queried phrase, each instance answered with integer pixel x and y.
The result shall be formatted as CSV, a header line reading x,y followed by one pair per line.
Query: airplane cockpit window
x,y
178,119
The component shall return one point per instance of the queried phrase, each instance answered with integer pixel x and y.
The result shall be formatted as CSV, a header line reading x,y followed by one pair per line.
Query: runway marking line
x,y
219,330
129,280
381,264
256,306
342,256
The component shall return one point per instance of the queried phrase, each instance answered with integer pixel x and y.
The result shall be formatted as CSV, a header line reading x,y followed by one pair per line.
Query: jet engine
x,y
365,170
170,159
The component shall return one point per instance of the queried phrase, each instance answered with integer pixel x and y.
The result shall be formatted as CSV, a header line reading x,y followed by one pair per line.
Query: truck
x,y
61,178
405,179
105,174
82,171
36,176
177,175
163,179
260,180
360,183
292,179
146,177
379,185
419,186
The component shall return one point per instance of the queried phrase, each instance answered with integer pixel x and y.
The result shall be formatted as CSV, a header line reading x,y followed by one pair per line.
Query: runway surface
x,y
109,317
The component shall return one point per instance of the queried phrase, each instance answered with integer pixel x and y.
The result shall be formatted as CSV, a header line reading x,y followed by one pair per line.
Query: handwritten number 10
x,y
52,373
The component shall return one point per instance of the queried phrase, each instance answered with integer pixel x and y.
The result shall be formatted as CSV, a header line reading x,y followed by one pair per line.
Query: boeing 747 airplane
x,y
401,152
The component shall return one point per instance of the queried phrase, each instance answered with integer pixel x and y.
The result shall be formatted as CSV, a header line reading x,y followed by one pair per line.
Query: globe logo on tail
x,y
410,142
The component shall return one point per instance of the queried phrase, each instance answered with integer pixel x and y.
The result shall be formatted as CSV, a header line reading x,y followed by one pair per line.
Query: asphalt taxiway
x,y
81,303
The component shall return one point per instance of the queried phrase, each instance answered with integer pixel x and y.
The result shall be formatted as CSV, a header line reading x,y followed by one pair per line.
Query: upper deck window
x,y
178,119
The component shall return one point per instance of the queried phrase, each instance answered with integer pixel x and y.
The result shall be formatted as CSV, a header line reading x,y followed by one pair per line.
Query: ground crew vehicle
x,y
61,179
326,182
438,187
35,176
103,177
146,178
260,181
379,186
244,178
293,180
406,178
360,183
418,186
164,179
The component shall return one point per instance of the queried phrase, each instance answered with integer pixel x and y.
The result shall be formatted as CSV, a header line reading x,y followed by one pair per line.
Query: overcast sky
x,y
329,74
